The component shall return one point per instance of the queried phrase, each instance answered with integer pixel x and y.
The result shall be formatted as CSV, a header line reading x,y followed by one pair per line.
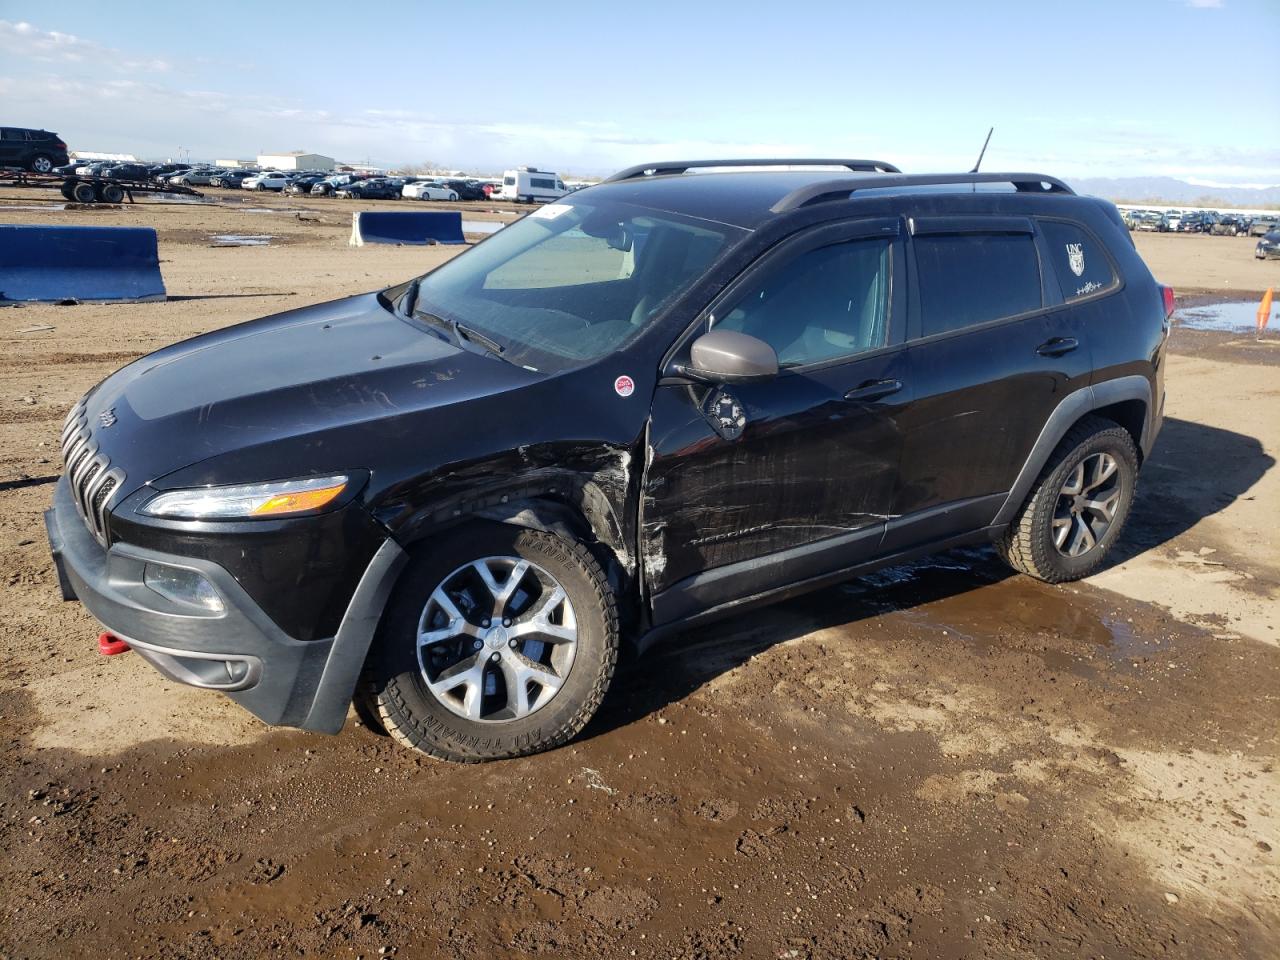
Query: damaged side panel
x,y
740,473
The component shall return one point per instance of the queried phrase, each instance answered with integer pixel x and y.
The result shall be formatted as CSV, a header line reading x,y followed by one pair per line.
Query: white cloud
x,y
23,39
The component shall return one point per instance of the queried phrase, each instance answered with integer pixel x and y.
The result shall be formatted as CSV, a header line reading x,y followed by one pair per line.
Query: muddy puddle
x,y
1237,316
241,240
969,597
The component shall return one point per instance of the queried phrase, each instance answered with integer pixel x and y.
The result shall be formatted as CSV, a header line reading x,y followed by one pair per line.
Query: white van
x,y
531,185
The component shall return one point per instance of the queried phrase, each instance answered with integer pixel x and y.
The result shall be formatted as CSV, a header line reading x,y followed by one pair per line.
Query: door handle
x,y
1057,346
874,390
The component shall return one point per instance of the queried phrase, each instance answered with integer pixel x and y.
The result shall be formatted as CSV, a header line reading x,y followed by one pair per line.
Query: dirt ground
x,y
943,760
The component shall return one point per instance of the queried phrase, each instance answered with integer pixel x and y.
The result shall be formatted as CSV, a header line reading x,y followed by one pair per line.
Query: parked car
x,y
1268,245
328,185
1229,225
67,169
428,190
197,177
267,180
466,189
127,171
28,149
163,171
302,185
646,409
376,188
231,178
96,168
1171,221
1147,221
1263,225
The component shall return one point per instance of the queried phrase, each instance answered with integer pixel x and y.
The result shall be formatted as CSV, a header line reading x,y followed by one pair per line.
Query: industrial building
x,y
295,160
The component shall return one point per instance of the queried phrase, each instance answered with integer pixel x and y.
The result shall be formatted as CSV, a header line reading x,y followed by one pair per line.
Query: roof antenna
x,y
983,152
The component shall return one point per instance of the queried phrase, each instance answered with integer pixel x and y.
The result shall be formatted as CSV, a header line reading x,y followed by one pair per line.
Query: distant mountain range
x,y
1171,190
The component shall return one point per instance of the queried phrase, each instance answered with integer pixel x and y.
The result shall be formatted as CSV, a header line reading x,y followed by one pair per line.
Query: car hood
x,y
295,375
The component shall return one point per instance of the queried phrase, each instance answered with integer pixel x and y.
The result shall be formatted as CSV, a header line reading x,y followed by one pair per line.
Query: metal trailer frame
x,y
99,186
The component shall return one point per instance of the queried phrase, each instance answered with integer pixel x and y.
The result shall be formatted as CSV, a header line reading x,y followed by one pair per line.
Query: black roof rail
x,y
829,190
683,166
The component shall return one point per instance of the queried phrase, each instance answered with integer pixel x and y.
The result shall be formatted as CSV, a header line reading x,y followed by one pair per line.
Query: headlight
x,y
278,499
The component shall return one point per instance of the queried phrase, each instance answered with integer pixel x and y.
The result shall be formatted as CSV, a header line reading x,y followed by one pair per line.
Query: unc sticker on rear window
x,y
551,211
624,386
1075,258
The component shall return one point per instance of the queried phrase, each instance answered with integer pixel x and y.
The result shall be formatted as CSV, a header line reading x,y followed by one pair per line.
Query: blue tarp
x,y
47,263
426,226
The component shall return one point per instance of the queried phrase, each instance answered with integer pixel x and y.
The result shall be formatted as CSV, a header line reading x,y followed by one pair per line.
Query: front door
x,y
751,487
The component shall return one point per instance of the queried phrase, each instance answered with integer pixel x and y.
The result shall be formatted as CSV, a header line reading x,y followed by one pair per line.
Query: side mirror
x,y
619,238
727,356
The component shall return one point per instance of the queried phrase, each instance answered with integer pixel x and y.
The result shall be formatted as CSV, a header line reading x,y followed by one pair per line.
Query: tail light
x,y
1167,293
59,145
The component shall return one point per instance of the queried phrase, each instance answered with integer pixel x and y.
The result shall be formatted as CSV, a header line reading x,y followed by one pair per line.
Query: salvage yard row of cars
x,y
309,182
1199,221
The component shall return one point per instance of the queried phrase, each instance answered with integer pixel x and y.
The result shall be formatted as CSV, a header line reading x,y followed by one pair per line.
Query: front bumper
x,y
239,651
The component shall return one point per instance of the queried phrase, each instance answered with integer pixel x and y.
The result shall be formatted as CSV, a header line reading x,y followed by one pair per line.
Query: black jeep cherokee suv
x,y
660,400
36,150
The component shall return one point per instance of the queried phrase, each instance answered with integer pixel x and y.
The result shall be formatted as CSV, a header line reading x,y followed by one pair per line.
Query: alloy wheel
x,y
1087,504
496,639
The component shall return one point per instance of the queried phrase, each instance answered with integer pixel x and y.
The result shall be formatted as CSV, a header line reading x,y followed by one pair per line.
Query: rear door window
x,y
968,278
1082,266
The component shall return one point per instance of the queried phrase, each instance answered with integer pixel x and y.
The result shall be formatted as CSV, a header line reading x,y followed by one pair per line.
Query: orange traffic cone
x,y
1264,310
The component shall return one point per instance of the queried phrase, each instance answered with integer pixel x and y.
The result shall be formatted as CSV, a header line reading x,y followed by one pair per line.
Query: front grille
x,y
89,473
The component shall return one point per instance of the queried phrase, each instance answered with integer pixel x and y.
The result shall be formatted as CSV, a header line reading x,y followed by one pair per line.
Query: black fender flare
x,y
1074,406
526,506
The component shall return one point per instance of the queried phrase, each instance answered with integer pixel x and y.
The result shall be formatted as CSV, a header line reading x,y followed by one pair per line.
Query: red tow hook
x,y
109,645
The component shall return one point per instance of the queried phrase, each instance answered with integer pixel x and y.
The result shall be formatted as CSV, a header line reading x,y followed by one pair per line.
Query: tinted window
x,y
1078,259
827,303
972,278
8,133
568,284
542,183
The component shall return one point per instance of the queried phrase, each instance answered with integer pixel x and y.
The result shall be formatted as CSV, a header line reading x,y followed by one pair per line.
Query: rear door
x,y
755,486
13,143
993,350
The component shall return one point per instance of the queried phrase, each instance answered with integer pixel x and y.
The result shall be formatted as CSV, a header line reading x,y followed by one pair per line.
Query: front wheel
x,y
1078,506
498,642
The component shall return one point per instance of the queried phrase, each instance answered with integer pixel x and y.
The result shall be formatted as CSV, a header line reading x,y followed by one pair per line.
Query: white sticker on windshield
x,y
551,211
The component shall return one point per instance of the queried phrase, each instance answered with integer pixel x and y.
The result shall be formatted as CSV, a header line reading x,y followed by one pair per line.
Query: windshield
x,y
572,282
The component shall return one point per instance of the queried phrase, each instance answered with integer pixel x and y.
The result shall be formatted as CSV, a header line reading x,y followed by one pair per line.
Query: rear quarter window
x,y
972,278
1081,264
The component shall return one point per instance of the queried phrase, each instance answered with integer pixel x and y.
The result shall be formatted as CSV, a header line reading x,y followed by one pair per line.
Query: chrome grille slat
x,y
94,482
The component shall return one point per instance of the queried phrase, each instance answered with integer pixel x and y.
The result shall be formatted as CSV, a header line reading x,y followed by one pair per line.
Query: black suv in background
x,y
36,150
661,400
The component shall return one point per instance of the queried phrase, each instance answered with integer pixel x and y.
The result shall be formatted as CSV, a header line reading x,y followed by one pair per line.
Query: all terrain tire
x,y
503,704
1078,506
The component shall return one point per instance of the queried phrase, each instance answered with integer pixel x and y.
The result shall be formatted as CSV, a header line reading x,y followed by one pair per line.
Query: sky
x,y
1119,88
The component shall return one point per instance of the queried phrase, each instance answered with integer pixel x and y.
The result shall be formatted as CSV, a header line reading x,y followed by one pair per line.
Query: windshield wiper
x,y
462,335
409,299
476,337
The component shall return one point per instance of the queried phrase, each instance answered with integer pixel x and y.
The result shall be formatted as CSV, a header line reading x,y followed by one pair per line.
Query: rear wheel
x,y
112,193
84,192
41,163
1078,506
498,642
